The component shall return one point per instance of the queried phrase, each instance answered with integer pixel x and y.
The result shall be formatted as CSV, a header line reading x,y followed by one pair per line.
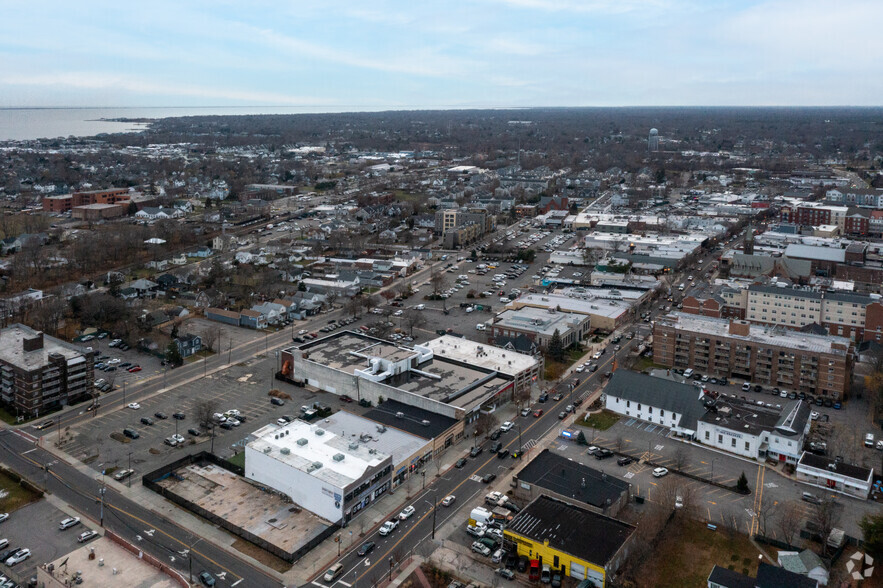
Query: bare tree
x,y
825,516
354,306
788,521
680,457
766,513
211,336
412,319
618,442
485,423
205,409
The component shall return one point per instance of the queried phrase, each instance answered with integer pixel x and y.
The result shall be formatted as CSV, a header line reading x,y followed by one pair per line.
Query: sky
x,y
331,55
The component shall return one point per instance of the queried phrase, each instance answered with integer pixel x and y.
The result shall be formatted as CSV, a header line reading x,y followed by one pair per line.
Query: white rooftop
x,y
321,447
590,306
480,355
757,333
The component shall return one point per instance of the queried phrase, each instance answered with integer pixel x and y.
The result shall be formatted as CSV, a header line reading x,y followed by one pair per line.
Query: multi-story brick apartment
x,y
67,202
790,360
39,373
858,317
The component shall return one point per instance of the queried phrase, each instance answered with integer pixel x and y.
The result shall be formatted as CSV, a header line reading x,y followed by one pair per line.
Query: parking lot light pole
x,y
712,471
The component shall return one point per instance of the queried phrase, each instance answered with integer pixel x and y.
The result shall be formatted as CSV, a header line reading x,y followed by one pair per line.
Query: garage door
x,y
577,571
595,577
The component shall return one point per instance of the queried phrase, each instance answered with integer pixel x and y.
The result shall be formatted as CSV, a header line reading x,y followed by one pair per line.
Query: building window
x,y
639,406
650,409
747,446
734,441
661,412
707,435
720,439
628,403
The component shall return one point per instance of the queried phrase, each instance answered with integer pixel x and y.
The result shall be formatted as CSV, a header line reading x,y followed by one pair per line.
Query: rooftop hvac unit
x,y
381,429
302,442
317,465
339,456
372,451
354,446
285,451
320,432
266,450
424,422
400,415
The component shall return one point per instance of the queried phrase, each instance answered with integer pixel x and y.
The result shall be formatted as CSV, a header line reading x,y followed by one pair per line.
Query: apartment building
x,y
866,198
857,317
790,360
38,372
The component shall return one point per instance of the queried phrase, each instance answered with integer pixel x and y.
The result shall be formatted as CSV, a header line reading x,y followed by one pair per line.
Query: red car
x,y
134,368
538,413
346,398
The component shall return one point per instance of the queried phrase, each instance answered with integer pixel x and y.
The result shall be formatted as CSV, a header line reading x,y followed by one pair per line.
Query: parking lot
x,y
243,387
48,545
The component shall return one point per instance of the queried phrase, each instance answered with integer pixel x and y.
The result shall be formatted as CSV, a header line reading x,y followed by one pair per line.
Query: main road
x,y
153,533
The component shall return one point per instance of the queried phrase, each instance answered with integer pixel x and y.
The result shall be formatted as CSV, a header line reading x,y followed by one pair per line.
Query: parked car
x,y
481,548
86,536
659,472
123,474
475,451
4,516
488,478
68,523
194,432
206,578
161,415
460,463
18,557
538,413
624,461
133,405
179,416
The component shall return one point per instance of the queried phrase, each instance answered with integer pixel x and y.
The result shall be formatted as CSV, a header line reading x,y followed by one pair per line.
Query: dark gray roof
x,y
845,469
813,329
794,417
729,578
412,421
572,479
848,297
769,576
797,293
579,532
675,397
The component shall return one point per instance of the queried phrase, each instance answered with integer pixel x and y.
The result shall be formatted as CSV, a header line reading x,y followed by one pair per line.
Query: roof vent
x,y
400,415
266,450
381,429
339,456
316,465
424,422
320,432
276,436
302,442
354,446
285,450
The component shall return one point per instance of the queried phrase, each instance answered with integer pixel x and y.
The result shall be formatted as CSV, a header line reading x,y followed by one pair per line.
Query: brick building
x,y
38,372
790,360
67,202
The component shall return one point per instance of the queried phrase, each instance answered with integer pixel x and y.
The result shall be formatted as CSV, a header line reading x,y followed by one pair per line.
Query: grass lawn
x,y
238,459
687,561
600,421
554,369
646,363
12,495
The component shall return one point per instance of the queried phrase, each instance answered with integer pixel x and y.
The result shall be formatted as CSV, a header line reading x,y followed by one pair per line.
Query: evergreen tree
x,y
556,346
742,483
173,356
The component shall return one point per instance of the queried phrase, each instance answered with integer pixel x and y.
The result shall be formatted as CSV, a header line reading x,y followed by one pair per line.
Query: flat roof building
x,y
327,473
373,370
571,540
39,372
605,313
835,476
559,477
540,324
780,358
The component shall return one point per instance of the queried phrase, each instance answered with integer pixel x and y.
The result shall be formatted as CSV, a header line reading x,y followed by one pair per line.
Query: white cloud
x,y
104,81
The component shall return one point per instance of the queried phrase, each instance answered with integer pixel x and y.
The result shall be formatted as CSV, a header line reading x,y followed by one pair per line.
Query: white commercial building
x,y
324,472
835,476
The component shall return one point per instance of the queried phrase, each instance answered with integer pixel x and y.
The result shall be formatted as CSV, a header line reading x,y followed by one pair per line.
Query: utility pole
x,y
129,477
424,476
101,492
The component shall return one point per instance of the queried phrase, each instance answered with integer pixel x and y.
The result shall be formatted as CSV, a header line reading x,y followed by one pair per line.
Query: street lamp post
x,y
129,477
434,506
390,568
424,476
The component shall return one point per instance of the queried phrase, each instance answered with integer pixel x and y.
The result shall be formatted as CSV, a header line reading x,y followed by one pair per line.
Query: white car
x,y
68,523
679,502
232,412
4,516
479,547
133,405
814,415
448,500
420,306
398,313
113,361
178,438
18,557
507,426
659,472
407,513
388,527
